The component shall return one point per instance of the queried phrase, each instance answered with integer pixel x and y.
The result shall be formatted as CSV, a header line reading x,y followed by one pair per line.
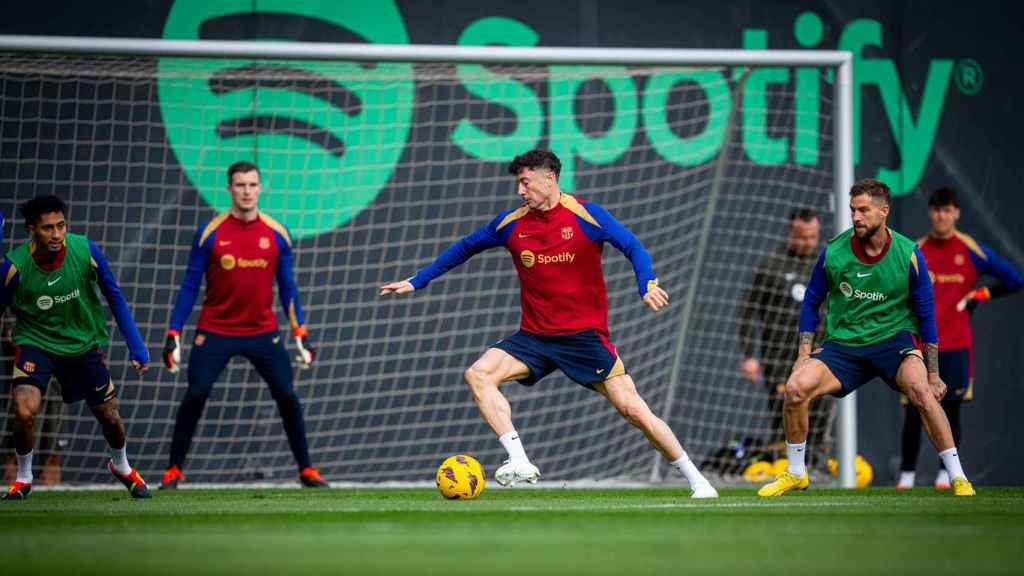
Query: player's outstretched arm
x,y
119,308
486,237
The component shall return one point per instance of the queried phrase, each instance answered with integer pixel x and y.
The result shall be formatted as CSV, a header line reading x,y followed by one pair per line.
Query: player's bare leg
x,y
110,422
113,430
621,392
810,379
27,401
485,377
912,379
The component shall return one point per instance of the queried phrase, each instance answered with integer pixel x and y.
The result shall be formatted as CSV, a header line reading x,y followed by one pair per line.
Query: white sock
x,y
951,460
686,467
119,457
24,467
514,446
795,453
907,478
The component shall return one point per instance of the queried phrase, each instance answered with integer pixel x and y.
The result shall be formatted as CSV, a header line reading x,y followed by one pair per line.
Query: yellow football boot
x,y
962,487
784,483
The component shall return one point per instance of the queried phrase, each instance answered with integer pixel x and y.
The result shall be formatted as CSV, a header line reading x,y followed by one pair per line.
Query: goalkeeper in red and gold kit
x,y
241,253
955,262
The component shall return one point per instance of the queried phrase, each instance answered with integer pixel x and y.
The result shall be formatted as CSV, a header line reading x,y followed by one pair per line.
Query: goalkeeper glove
x,y
172,352
973,297
306,353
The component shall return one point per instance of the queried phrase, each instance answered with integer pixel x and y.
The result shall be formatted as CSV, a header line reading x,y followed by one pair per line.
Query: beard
x,y
867,233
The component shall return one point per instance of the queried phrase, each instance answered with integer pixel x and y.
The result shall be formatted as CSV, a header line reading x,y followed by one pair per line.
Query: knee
x,y
24,415
918,394
798,390
479,379
637,413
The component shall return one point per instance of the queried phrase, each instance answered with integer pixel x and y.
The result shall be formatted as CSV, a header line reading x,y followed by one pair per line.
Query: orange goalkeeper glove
x,y
973,297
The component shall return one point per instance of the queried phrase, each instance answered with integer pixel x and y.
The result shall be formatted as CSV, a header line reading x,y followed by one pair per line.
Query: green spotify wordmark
x,y
326,136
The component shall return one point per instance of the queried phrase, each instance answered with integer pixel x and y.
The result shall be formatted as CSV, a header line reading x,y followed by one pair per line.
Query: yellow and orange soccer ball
x,y
460,477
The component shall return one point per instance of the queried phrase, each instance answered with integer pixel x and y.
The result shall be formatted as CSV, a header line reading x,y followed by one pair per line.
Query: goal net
x,y
376,167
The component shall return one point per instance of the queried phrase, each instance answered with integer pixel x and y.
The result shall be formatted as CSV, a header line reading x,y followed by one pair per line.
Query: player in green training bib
x,y
50,284
879,299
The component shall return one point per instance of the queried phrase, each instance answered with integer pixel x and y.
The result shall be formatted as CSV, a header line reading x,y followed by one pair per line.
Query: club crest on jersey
x,y
528,258
264,243
227,262
958,259
200,339
567,233
29,367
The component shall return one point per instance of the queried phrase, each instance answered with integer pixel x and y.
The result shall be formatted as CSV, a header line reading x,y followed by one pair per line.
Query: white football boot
x,y
511,473
705,490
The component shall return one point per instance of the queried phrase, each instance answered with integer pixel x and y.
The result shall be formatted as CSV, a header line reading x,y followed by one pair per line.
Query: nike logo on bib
x,y
54,281
863,275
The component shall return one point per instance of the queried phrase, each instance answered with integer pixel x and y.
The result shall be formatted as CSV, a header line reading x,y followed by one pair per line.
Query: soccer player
x,y
879,298
773,304
50,285
955,263
556,241
241,252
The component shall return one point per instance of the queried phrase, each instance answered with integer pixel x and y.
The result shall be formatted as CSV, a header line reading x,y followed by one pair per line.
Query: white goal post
x,y
138,183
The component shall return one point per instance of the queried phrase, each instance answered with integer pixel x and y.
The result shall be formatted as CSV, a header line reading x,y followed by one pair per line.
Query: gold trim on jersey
x,y
277,226
913,262
217,221
574,205
513,216
18,373
972,244
10,274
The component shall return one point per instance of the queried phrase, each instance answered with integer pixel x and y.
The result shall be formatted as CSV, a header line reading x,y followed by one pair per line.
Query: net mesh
x,y
378,167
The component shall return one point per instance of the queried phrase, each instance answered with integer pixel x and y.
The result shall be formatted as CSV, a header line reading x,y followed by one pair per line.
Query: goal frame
x,y
841,62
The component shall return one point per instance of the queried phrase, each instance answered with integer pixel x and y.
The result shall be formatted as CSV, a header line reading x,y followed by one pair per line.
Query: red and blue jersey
x,y
955,265
240,260
557,254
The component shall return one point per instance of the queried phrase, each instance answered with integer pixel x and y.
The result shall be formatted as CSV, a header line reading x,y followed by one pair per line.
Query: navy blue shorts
x,y
81,377
854,366
586,357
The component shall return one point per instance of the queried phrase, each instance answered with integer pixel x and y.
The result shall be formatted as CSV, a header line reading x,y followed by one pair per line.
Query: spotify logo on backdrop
x,y
327,137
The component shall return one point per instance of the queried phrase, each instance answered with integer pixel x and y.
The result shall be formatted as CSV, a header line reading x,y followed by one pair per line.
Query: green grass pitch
x,y
625,532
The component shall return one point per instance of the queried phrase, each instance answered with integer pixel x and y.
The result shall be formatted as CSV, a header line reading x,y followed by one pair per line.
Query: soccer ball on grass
x,y
460,477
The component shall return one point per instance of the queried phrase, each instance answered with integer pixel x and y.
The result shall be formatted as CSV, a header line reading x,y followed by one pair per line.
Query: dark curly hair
x,y
535,159
34,209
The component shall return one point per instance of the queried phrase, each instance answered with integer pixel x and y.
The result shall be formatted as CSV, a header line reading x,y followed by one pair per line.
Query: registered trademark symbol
x,y
969,77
